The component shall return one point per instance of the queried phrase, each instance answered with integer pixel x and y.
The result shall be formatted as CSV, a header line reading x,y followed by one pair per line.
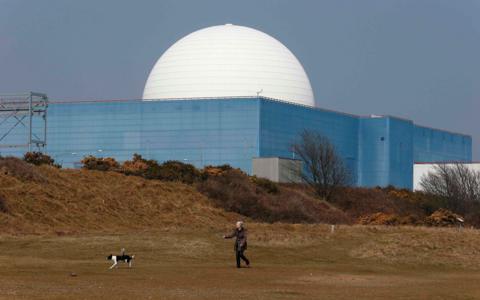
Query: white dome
x,y
228,61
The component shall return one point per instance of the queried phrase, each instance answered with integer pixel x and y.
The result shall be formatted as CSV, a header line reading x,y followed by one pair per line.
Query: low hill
x,y
46,199
36,199
39,199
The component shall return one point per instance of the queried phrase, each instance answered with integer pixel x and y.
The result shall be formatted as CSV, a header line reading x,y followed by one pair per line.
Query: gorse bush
x,y
215,170
39,158
177,171
389,219
100,164
151,169
167,171
137,166
444,218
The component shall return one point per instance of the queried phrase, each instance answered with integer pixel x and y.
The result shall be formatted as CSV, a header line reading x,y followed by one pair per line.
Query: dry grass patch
x,y
289,262
73,201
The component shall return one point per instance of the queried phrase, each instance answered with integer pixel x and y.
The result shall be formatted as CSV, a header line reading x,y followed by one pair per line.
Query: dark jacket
x,y
241,239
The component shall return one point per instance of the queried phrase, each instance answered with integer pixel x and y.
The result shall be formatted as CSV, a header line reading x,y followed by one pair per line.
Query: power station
x,y
228,95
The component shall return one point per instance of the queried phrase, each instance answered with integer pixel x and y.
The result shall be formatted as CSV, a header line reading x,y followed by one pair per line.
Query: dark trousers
x,y
239,255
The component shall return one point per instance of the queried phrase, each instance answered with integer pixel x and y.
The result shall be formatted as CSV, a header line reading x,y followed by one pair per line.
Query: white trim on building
x,y
422,169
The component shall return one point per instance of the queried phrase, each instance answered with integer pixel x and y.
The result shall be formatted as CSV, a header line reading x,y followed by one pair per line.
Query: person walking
x,y
240,235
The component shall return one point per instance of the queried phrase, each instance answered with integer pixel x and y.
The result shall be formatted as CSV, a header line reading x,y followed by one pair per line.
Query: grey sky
x,y
415,59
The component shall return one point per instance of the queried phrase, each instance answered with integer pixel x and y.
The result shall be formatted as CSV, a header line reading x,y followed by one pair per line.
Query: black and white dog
x,y
123,257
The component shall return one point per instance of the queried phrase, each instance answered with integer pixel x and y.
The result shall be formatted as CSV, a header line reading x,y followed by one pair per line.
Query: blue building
x,y
228,94
379,150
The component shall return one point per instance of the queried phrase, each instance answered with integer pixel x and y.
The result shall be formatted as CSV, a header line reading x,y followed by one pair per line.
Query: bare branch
x,y
323,168
456,183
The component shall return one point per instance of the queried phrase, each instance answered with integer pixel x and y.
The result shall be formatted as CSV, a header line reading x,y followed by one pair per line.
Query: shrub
x,y
168,171
137,166
149,169
402,194
358,202
101,164
215,170
235,191
265,184
178,171
379,219
39,158
429,203
388,219
444,218
323,167
20,169
457,184
472,217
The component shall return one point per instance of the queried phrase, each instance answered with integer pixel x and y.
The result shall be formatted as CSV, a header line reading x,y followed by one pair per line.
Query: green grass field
x,y
288,262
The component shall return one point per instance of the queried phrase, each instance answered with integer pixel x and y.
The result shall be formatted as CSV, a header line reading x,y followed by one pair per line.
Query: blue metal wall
x,y
400,153
386,152
281,123
373,152
379,151
200,132
433,145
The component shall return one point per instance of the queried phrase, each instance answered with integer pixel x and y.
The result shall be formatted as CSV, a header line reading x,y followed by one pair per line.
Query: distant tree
x,y
323,168
457,184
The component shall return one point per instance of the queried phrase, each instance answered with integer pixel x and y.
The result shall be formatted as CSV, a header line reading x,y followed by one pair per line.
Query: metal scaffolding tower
x,y
23,120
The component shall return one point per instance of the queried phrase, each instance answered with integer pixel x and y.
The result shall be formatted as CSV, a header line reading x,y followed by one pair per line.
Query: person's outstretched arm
x,y
229,236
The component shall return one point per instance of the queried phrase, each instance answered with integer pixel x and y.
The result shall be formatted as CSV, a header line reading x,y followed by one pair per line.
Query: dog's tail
x,y
133,256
